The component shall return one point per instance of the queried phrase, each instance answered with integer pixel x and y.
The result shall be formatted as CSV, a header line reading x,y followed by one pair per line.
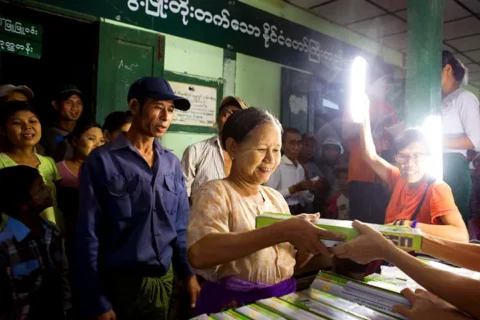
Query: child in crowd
x,y
33,268
339,207
116,123
21,126
84,138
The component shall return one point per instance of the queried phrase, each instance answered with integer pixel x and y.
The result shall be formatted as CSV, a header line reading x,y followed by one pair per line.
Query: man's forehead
x,y
163,102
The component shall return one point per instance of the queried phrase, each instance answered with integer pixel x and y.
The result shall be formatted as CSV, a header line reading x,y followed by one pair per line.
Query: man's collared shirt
x,y
286,175
33,272
131,216
203,162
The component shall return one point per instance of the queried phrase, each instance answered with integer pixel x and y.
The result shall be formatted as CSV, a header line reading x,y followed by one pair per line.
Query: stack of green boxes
x,y
330,297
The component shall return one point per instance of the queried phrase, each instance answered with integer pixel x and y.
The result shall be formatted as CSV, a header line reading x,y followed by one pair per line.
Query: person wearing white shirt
x,y
206,160
289,177
461,131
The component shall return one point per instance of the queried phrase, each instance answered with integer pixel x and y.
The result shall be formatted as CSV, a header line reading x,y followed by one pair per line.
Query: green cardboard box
x,y
403,237
287,310
309,304
345,305
202,317
359,292
256,312
228,315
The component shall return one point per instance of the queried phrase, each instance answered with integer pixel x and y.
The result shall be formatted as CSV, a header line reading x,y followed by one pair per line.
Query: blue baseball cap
x,y
156,88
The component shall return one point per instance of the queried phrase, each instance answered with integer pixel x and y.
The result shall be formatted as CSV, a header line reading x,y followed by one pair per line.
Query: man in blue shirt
x,y
133,215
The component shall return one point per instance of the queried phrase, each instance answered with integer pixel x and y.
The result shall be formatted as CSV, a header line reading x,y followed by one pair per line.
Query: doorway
x,y
69,56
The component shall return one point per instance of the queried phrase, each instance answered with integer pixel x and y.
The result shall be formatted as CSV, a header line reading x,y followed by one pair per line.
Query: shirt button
x,y
157,234
154,209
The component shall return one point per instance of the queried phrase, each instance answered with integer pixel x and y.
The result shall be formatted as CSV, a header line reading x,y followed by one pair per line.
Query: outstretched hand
x,y
368,246
305,236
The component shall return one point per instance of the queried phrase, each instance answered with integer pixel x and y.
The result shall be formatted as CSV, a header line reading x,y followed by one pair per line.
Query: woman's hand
x,y
427,306
193,289
304,236
368,246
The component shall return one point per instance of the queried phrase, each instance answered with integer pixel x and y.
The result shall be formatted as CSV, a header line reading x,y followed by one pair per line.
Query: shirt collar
x,y
18,229
215,140
122,142
287,161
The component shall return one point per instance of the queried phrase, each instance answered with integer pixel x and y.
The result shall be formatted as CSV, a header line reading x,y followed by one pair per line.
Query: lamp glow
x,y
358,101
432,129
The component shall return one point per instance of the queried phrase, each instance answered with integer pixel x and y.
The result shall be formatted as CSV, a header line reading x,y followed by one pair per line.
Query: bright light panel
x,y
432,129
358,101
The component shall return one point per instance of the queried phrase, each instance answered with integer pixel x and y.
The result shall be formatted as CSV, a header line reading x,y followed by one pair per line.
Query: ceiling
x,y
385,21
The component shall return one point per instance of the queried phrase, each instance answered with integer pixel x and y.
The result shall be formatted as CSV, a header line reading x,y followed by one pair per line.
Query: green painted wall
x,y
257,81
186,56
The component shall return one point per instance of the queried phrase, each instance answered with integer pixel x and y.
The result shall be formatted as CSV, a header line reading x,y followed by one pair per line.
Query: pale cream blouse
x,y
219,208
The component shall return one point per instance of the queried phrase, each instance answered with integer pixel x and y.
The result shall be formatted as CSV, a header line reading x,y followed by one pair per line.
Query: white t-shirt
x,y
461,116
343,205
286,175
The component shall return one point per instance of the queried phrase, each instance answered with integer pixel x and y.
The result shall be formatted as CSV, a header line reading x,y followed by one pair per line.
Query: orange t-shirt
x,y
438,201
359,170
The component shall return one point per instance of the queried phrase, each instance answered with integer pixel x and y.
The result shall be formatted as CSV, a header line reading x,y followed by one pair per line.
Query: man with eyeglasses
x,y
289,177
206,160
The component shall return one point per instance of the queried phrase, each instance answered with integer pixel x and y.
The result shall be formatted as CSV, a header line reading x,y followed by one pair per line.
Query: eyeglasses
x,y
404,158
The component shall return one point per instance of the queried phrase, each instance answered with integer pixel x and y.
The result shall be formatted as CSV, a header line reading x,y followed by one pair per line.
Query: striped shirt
x,y
203,162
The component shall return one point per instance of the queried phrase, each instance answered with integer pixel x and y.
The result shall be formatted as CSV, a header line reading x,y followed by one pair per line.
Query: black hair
x,y
66,91
15,184
242,122
457,68
409,136
115,120
289,130
80,129
8,109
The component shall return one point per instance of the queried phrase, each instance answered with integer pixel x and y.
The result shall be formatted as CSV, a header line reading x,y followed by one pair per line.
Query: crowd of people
x,y
103,222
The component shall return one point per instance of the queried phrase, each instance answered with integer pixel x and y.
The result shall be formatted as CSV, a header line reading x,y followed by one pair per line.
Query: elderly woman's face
x,y
412,162
258,156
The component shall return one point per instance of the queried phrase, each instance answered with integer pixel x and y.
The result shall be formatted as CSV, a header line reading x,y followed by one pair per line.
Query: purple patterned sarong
x,y
233,293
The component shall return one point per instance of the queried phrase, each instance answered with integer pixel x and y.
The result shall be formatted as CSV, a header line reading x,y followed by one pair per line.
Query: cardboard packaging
x,y
256,312
287,310
311,305
228,315
202,317
345,305
403,237
359,292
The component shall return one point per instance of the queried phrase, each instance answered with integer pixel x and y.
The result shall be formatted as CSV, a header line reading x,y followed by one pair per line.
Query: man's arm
x,y
369,152
465,255
87,282
180,260
453,228
470,116
274,182
189,167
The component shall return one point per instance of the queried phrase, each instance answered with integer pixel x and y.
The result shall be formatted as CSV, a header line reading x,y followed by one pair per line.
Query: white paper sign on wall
x,y
203,110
